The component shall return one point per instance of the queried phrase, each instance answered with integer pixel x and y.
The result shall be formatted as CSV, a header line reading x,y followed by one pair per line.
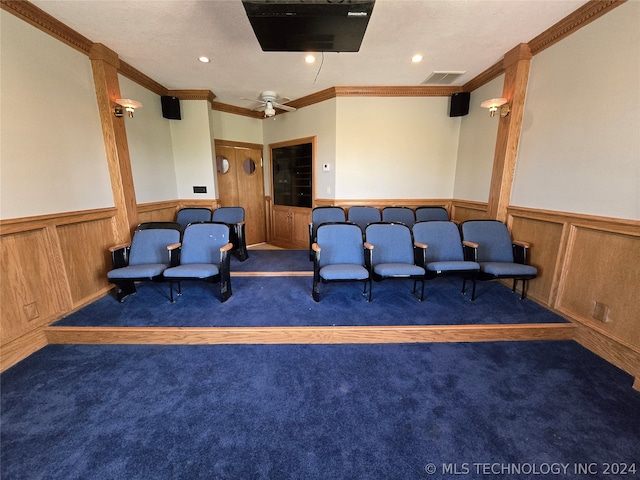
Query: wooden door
x,y
241,183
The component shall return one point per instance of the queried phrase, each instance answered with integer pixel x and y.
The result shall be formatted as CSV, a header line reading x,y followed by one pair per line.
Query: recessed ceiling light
x,y
204,59
416,58
309,59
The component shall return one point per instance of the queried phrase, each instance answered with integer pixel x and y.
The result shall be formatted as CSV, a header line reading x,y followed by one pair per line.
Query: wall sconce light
x,y
496,104
128,105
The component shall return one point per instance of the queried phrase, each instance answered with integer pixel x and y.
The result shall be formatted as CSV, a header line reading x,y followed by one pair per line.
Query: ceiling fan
x,y
269,101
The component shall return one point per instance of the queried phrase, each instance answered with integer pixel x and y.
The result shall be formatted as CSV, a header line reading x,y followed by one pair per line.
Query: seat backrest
x,y
426,214
392,243
492,237
188,215
341,243
150,245
442,239
152,225
363,215
228,215
201,242
327,214
399,214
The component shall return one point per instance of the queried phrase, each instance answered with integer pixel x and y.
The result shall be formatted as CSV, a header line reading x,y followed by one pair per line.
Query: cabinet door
x,y
301,217
281,227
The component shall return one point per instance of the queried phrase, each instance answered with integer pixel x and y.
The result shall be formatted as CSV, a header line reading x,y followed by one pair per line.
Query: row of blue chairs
x,y
233,216
386,250
363,215
164,251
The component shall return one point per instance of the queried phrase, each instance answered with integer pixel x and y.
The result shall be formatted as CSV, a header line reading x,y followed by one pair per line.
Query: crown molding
x,y
207,95
397,91
43,21
571,23
494,71
584,15
226,108
141,79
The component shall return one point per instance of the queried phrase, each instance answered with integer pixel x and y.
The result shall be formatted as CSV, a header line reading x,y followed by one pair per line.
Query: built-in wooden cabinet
x,y
290,227
292,181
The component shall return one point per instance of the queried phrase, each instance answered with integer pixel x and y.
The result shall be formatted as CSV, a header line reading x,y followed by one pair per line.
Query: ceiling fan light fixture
x,y
269,111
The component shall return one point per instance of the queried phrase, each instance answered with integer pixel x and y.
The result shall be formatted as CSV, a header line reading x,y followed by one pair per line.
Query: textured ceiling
x,y
164,38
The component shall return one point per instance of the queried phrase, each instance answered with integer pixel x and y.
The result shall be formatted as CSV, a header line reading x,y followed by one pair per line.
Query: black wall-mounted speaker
x,y
459,105
170,107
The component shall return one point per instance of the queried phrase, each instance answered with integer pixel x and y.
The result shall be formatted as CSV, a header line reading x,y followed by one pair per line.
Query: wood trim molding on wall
x,y
141,79
40,19
571,23
584,15
25,224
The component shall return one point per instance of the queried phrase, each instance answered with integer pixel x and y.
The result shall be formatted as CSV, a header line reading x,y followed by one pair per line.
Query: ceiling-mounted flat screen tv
x,y
309,25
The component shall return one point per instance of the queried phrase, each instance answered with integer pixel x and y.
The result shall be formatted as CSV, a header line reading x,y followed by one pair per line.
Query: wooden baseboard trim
x,y
308,335
22,347
614,352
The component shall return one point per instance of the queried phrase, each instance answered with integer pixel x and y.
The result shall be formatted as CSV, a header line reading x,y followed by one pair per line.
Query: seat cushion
x,y
344,271
398,269
505,269
192,270
453,266
148,270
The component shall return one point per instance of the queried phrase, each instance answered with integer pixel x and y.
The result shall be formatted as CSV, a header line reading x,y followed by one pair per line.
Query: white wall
x,y
52,154
315,120
580,143
150,148
227,126
390,148
193,153
478,132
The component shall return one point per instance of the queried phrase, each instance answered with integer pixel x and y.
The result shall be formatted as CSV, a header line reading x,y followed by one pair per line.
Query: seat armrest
x,y
520,250
227,247
120,255
174,253
470,251
368,246
316,248
420,254
119,247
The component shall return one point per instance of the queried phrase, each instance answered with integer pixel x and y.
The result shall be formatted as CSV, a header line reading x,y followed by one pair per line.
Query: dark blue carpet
x,y
286,301
316,412
273,261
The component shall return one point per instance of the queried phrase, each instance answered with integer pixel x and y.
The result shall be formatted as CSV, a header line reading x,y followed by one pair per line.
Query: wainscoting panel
x,y
51,265
85,250
546,240
157,212
588,272
32,287
463,210
601,281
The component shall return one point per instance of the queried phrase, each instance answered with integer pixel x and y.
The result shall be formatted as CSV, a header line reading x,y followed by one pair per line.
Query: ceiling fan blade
x,y
283,107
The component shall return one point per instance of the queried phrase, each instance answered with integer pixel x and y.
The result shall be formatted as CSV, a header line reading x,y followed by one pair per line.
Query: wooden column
x,y
516,68
104,63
